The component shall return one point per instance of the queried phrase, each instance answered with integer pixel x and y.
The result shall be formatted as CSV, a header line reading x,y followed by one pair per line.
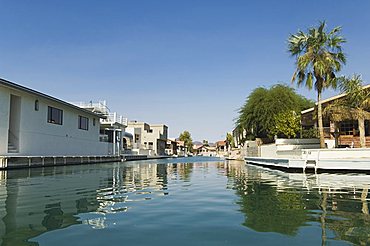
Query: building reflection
x,y
35,201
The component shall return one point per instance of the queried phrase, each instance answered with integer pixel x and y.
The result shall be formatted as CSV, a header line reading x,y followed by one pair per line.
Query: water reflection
x,y
36,201
275,201
46,199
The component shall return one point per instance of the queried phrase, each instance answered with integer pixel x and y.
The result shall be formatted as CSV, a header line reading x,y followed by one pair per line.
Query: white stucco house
x,y
36,124
112,127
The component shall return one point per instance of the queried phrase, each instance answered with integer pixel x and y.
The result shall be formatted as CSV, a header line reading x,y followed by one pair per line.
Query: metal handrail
x,y
113,117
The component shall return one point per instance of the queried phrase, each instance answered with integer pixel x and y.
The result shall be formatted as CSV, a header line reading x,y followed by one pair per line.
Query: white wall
x,y
38,137
4,119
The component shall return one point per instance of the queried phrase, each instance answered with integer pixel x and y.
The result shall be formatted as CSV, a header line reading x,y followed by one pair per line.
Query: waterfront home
x,y
204,150
181,148
221,146
112,127
171,147
148,139
347,131
36,124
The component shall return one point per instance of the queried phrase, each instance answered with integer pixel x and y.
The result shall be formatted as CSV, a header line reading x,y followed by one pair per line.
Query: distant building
x,y
203,150
148,139
181,148
221,147
36,124
171,147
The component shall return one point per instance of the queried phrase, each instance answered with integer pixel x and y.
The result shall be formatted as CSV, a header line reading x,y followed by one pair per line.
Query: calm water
x,y
189,201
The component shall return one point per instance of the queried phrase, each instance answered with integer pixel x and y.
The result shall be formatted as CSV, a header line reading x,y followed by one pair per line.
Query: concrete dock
x,y
357,160
14,162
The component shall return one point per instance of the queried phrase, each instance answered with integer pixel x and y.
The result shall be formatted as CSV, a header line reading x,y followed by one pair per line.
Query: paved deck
x,y
357,160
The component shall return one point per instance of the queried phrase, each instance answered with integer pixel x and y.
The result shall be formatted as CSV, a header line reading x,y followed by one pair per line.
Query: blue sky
x,y
188,64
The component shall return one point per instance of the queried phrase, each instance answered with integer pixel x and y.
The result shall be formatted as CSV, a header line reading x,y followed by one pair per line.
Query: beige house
x,y
148,139
203,150
181,148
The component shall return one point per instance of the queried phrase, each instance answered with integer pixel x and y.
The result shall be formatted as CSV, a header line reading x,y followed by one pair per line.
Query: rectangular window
x,y
83,123
349,127
150,145
137,137
55,116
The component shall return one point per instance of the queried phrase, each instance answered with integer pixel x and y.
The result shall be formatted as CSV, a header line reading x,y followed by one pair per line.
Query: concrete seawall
x,y
13,162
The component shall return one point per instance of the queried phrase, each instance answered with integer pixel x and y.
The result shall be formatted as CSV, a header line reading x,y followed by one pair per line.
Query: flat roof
x,y
12,85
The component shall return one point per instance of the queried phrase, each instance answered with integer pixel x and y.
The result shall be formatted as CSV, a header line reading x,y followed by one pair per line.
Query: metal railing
x,y
100,106
115,118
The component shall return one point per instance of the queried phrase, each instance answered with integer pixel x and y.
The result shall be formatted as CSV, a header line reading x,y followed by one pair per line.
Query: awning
x,y
127,135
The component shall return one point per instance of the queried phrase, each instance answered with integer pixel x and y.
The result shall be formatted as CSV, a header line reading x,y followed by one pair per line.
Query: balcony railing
x,y
100,106
114,118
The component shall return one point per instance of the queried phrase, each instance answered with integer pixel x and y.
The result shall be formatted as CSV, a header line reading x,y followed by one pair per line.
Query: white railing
x,y
100,106
113,118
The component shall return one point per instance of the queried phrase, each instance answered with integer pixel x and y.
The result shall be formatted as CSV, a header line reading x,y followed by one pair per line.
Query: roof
x,y
179,142
330,99
221,143
18,87
197,146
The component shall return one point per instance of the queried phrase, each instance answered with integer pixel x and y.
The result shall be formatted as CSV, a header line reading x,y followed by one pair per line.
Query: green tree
x,y
318,56
354,106
287,124
230,140
186,137
257,115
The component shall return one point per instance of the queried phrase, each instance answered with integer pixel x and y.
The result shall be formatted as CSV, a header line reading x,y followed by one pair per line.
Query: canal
x,y
184,201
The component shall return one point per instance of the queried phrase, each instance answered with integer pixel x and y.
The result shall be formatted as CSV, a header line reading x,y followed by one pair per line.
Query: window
x,y
36,105
83,123
349,128
55,116
137,138
93,121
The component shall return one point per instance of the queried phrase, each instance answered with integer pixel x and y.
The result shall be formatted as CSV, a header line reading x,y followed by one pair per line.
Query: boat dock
x,y
357,160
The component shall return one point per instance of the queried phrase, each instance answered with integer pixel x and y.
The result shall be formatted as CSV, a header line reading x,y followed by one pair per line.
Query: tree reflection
x,y
271,203
267,210
355,223
184,170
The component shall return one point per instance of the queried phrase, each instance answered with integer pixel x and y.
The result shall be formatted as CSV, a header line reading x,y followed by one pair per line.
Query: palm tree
x,y
318,56
354,106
